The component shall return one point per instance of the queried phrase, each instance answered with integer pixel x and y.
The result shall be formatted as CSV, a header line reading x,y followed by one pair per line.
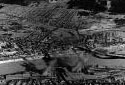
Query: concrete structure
x,y
57,1
53,1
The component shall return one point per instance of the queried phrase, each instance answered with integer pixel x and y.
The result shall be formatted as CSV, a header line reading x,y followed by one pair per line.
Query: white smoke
x,y
75,60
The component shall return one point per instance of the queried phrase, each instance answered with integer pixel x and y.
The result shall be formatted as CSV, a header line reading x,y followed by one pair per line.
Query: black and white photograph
x,y
62,42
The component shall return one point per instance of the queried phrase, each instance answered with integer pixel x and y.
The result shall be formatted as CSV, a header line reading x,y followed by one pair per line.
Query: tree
x,y
86,4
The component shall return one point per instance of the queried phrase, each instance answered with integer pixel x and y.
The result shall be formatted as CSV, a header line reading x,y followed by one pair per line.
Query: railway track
x,y
24,82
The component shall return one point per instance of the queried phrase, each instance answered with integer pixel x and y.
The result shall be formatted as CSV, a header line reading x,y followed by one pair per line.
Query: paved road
x,y
13,67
